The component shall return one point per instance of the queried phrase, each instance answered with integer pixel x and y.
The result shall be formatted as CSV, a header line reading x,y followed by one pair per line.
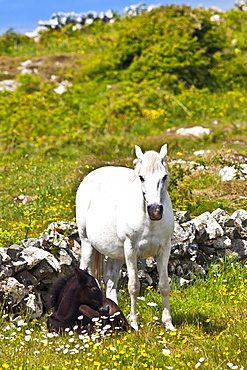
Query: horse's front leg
x,y
133,284
162,264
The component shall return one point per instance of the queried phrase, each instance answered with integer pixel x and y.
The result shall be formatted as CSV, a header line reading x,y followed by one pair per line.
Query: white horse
x,y
127,215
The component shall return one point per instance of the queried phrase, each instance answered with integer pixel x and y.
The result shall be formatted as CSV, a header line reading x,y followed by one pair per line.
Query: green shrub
x,y
11,41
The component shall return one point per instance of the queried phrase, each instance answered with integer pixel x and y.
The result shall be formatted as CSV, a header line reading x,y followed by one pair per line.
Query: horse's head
x,y
153,175
89,292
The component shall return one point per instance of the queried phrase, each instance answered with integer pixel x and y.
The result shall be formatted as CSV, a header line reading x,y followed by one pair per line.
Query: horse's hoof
x,y
169,326
133,322
134,327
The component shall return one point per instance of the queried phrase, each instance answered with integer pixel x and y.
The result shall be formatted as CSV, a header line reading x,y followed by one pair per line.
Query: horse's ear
x,y
138,151
163,151
81,275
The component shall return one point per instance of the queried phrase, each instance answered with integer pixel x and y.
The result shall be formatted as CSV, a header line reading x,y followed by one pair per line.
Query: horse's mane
x,y
57,289
150,163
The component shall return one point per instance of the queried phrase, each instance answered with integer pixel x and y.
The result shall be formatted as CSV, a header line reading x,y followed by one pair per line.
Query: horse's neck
x,y
134,193
68,306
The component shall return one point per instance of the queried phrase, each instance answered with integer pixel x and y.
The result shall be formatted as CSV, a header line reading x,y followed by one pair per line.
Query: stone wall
x,y
61,19
27,271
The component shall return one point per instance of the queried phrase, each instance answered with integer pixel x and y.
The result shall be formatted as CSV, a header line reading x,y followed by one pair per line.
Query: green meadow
x,y
135,81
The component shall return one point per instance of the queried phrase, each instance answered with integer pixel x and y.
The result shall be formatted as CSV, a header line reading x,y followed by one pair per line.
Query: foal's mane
x,y
57,290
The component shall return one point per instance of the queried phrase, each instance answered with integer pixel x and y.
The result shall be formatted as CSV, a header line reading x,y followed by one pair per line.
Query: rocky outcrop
x,y
27,271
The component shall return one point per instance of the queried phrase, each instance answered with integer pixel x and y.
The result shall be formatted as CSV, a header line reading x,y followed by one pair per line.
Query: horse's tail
x,y
98,266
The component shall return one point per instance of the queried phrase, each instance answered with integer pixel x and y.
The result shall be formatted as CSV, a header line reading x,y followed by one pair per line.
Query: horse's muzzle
x,y
155,211
104,310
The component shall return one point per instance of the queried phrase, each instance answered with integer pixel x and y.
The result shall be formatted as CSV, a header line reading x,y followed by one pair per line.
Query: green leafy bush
x,y
10,42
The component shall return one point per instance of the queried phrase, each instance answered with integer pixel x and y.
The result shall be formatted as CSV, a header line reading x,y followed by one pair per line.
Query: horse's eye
x,y
164,178
141,178
94,289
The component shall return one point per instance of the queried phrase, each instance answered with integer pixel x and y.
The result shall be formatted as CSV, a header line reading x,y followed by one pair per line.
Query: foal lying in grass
x,y
80,306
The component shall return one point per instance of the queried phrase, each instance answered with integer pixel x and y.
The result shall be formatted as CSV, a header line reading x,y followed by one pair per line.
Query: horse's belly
x,y
101,232
108,246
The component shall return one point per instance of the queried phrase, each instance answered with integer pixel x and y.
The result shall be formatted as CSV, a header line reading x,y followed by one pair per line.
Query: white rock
x,y
26,63
109,14
240,214
62,87
35,34
89,21
197,131
77,26
34,255
207,224
228,173
10,85
201,152
15,290
26,71
220,216
4,257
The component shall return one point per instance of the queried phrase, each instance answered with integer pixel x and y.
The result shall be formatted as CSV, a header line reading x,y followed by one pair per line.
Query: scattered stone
x,y
197,131
241,215
62,87
201,152
228,173
24,199
10,85
25,64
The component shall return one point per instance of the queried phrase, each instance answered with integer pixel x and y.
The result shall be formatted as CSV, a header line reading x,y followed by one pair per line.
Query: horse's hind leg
x,y
82,206
87,256
111,274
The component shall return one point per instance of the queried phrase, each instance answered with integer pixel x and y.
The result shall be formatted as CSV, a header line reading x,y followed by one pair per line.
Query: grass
x,y
210,317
